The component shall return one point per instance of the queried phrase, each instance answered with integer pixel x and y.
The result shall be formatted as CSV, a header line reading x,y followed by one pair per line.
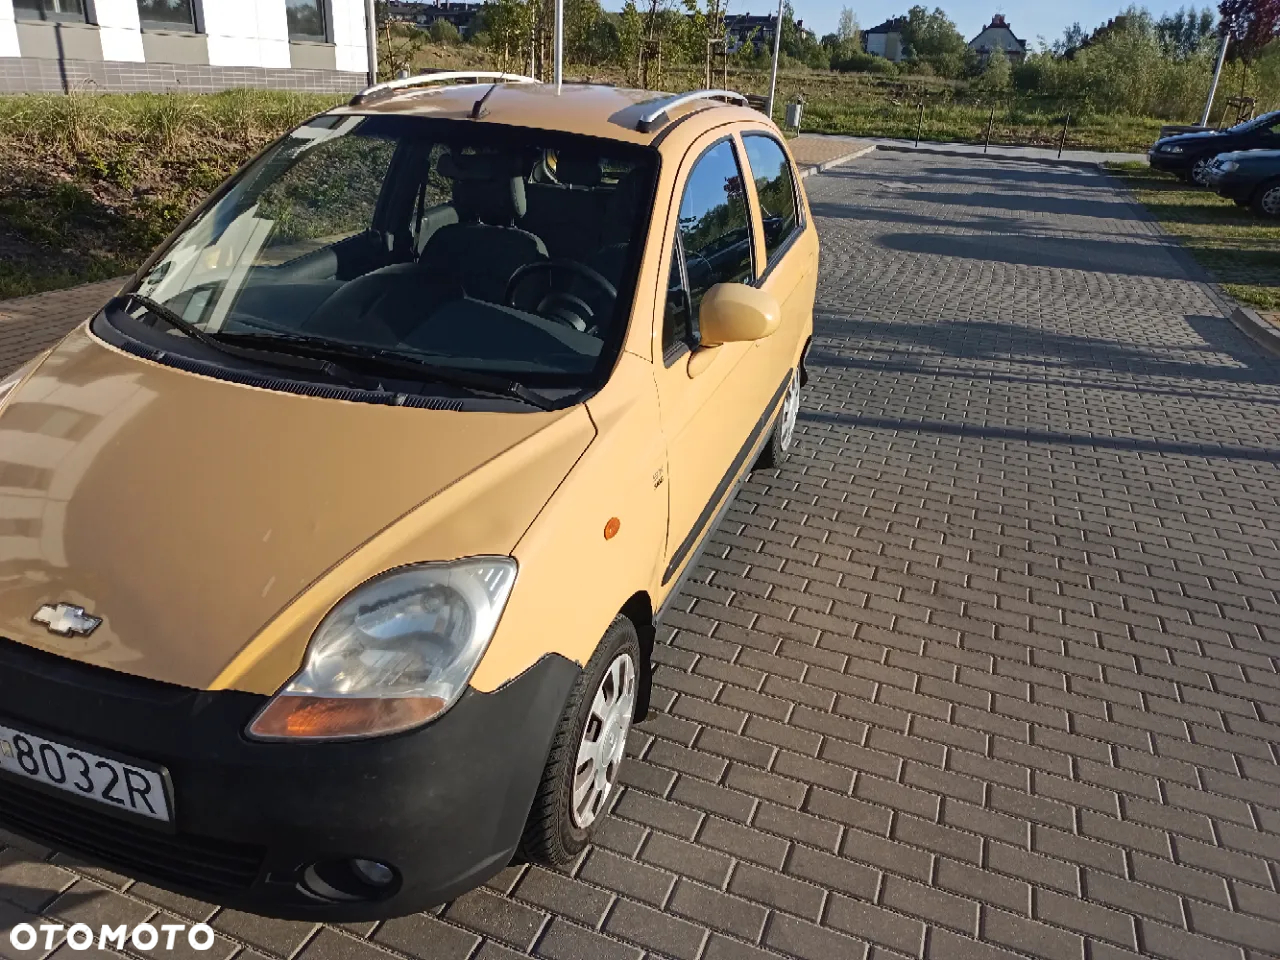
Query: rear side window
x,y
715,228
776,188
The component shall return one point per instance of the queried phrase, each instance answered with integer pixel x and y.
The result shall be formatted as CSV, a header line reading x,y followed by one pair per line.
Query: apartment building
x,y
196,45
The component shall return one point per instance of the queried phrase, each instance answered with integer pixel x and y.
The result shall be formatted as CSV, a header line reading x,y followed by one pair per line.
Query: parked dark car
x,y
1189,154
1251,178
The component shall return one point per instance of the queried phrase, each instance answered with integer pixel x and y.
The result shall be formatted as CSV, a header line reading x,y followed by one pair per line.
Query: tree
x,y
1184,34
997,75
1073,38
1251,24
442,31
934,39
848,36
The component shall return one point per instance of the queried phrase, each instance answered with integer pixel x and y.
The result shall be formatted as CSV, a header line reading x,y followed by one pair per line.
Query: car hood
x,y
1252,156
1201,139
187,512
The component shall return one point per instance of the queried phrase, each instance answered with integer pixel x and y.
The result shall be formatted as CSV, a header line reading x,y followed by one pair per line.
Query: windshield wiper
x,y
216,342
392,361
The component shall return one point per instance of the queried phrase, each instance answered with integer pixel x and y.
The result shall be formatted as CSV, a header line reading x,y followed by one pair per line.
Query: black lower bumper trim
x,y
444,805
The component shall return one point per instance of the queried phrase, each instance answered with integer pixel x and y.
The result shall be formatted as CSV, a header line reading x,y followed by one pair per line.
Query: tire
x,y
782,435
599,711
1266,201
1200,171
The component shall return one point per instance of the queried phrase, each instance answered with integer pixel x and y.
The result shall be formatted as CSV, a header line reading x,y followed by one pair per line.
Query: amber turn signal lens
x,y
333,718
612,527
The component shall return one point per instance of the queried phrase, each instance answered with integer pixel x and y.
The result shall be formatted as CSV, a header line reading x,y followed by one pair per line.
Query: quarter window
x,y
63,10
776,190
168,14
306,20
715,228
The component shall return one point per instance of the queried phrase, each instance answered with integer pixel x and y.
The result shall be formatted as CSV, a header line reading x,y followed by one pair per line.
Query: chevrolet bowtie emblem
x,y
66,620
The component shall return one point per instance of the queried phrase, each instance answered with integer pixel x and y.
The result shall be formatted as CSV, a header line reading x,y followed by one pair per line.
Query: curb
x,y
1260,331
811,168
946,152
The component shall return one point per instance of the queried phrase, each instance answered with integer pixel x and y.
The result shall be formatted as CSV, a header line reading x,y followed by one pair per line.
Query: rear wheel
x,y
1200,171
581,775
1267,200
782,437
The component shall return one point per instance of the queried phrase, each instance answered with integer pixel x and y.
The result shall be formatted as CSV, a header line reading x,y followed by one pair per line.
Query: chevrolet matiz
x,y
334,545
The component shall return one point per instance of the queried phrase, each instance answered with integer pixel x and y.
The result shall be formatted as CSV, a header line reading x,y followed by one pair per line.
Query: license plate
x,y
125,786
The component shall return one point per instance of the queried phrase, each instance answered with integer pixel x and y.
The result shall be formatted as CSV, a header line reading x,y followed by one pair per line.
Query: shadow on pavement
x,y
1096,256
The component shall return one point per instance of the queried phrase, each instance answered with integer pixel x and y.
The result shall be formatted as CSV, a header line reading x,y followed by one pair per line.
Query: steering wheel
x,y
560,305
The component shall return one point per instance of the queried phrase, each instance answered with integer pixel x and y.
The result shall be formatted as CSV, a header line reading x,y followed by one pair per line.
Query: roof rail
x,y
659,115
445,76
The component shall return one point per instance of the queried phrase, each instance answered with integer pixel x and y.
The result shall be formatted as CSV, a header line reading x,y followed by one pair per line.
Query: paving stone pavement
x,y
988,670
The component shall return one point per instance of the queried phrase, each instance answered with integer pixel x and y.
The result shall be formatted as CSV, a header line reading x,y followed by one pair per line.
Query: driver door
x,y
707,410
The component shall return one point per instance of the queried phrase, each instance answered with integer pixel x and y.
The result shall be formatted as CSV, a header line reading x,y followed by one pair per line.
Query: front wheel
x,y
581,775
782,436
1267,200
1200,171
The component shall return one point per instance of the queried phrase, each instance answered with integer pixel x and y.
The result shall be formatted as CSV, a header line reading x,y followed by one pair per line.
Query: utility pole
x,y
1217,74
559,45
777,48
371,40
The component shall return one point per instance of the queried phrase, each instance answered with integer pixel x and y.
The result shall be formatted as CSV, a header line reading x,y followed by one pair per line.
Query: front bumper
x,y
445,804
1230,185
1169,162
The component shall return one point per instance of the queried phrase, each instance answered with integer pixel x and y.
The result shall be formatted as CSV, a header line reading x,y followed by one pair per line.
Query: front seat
x,y
485,247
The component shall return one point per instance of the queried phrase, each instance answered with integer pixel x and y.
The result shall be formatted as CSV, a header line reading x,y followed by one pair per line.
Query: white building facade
x,y
194,45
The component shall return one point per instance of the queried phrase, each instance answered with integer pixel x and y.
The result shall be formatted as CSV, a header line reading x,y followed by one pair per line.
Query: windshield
x,y
1265,120
468,245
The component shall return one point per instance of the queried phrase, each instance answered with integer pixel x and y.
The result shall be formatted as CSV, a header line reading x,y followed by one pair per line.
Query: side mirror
x,y
734,312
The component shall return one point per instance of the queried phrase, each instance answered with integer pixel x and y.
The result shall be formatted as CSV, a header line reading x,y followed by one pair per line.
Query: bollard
x,y
1063,142
990,123
920,125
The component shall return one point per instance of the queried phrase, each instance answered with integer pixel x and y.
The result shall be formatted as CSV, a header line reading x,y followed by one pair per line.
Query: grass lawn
x,y
1240,248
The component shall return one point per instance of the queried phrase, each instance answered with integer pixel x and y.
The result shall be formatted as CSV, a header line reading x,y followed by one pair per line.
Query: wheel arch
x,y
639,610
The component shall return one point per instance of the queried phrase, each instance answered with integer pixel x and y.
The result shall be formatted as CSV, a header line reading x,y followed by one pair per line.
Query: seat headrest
x,y
579,170
486,186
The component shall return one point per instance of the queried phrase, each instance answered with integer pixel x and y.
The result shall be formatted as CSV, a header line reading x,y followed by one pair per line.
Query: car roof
x,y
590,109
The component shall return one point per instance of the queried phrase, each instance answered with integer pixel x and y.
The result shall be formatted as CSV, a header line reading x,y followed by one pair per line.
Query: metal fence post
x,y
920,125
1063,142
991,122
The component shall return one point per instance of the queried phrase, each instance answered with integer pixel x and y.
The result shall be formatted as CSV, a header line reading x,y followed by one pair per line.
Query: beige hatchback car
x,y
335,544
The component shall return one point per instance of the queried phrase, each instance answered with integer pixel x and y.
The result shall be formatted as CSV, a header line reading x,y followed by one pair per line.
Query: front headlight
x,y
1171,148
396,652
1228,166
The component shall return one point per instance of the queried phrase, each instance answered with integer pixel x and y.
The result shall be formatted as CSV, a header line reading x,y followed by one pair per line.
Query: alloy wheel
x,y
1271,201
1200,172
604,741
790,411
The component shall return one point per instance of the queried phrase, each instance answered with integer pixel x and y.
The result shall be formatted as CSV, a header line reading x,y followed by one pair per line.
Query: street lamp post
x,y
371,40
777,48
1217,74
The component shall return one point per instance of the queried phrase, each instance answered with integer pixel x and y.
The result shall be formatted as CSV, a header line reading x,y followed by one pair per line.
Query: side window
x,y
715,228
775,186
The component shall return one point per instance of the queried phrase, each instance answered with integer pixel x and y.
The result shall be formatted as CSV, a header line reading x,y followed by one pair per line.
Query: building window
x,y
60,10
306,20
168,14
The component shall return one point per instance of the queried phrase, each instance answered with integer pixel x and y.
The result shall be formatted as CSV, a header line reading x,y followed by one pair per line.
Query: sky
x,y
1028,18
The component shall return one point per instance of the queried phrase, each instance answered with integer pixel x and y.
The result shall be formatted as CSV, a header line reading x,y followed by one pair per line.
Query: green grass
x,y
1239,248
89,184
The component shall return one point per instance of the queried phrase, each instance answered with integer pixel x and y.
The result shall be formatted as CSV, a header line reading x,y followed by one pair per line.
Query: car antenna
x,y
479,110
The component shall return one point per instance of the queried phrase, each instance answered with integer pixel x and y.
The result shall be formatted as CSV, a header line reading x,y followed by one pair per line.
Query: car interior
x,y
496,255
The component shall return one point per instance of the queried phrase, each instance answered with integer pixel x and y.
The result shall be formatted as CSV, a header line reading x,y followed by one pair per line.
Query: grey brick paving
x,y
991,669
